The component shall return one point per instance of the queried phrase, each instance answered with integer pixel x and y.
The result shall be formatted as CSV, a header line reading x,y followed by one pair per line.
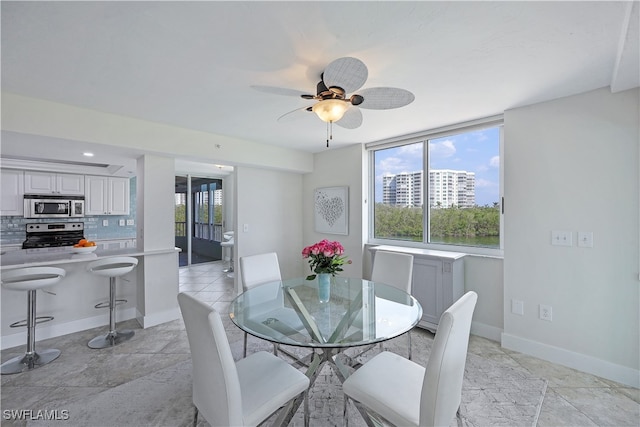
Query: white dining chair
x,y
234,394
256,270
395,269
406,394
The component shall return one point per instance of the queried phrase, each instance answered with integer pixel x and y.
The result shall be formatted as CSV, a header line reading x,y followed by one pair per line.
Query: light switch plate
x,y
561,238
129,222
517,307
121,223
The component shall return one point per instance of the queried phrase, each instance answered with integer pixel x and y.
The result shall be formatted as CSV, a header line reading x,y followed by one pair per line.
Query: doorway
x,y
199,219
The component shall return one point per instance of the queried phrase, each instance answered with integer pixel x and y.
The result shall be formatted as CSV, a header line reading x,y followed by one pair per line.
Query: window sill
x,y
467,250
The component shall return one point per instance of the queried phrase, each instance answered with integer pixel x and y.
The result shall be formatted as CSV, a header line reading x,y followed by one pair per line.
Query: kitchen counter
x,y
150,291
64,255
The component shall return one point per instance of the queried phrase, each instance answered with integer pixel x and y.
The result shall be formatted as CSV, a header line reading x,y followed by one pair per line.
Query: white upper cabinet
x,y
53,183
106,195
12,192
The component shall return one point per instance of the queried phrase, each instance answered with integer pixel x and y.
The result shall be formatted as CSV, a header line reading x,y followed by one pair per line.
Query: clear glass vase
x,y
324,287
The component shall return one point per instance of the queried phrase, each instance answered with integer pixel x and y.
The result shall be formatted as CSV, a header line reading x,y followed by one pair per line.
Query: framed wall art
x,y
331,208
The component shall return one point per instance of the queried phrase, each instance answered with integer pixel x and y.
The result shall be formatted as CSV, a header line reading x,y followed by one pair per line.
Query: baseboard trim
x,y
158,318
581,362
486,331
44,331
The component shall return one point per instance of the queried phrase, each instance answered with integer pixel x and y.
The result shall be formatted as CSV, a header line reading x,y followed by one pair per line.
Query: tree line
x,y
407,222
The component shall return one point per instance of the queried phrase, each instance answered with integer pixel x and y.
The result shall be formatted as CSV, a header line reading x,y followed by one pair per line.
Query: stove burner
x,y
44,235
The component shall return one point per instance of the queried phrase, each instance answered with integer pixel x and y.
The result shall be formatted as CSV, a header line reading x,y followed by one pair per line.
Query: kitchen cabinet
x,y
12,192
106,195
53,183
438,281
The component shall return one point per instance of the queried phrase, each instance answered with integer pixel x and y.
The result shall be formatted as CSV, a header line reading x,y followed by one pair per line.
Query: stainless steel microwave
x,y
39,206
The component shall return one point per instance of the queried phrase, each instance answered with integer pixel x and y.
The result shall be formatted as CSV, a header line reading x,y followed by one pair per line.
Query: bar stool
x,y
31,279
112,268
228,243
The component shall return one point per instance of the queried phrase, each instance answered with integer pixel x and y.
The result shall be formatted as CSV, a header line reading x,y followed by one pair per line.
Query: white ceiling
x,y
193,64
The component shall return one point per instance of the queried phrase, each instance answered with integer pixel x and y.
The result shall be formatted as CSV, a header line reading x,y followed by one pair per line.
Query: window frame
x,y
425,137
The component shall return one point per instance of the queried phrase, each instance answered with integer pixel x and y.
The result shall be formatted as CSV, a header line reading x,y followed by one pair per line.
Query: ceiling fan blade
x,y
352,118
281,91
385,98
294,115
347,73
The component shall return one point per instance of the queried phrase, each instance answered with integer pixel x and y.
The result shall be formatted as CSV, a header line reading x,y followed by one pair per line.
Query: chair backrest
x,y
442,386
393,268
258,269
216,386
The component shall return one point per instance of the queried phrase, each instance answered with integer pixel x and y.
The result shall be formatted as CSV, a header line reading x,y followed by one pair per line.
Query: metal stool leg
x,y
31,359
114,337
229,269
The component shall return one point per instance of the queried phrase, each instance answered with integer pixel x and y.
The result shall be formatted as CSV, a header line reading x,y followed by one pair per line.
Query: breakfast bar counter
x,y
64,255
149,290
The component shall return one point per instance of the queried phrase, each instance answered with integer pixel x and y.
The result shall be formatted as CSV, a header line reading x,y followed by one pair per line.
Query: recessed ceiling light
x,y
87,154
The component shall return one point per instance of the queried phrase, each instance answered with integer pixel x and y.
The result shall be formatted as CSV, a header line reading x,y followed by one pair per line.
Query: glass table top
x,y
359,312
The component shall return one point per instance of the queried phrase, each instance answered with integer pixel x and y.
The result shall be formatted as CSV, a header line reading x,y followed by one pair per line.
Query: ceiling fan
x,y
340,78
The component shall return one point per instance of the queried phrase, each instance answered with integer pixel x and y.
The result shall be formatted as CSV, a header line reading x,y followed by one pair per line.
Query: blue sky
x,y
477,151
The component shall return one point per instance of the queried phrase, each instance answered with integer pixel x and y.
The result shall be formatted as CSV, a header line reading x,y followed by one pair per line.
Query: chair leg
x,y
459,417
306,408
195,416
244,354
409,343
344,411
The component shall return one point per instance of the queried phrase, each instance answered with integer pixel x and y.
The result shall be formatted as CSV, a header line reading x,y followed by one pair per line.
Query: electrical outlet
x,y
585,239
105,222
546,312
517,307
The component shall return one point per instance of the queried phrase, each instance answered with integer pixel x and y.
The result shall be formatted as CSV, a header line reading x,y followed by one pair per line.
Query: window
x,y
440,189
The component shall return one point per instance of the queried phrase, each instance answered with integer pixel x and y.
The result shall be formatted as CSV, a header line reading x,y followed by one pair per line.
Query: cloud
x,y
485,183
442,149
495,162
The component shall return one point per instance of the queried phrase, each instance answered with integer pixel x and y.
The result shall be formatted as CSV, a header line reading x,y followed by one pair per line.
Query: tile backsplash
x,y
13,230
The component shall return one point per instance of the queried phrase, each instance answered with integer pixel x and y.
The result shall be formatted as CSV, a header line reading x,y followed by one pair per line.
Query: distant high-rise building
x,y
403,189
446,188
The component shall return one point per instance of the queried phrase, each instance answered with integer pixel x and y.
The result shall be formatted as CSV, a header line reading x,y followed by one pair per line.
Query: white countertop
x,y
64,255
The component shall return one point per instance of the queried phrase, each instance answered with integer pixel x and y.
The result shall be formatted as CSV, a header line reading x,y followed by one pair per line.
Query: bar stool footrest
x,y
106,303
23,323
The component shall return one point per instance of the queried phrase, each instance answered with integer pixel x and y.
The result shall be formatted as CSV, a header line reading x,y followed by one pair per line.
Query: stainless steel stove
x,y
53,234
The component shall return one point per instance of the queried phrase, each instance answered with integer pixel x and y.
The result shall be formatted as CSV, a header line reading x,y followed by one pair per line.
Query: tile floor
x,y
572,398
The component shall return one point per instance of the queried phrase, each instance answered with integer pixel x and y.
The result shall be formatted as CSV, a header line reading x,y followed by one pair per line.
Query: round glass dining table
x,y
358,312
295,312
292,312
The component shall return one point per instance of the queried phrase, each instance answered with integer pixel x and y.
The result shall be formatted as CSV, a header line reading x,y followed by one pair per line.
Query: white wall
x,y
50,119
155,218
334,168
269,202
572,164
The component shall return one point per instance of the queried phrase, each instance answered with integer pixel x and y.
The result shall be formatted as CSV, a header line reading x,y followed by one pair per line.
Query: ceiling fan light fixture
x,y
330,110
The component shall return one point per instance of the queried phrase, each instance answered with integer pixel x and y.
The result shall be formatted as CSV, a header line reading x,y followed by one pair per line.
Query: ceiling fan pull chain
x,y
328,134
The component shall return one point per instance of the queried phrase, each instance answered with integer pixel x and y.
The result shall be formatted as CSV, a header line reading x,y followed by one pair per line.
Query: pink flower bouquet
x,y
325,257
